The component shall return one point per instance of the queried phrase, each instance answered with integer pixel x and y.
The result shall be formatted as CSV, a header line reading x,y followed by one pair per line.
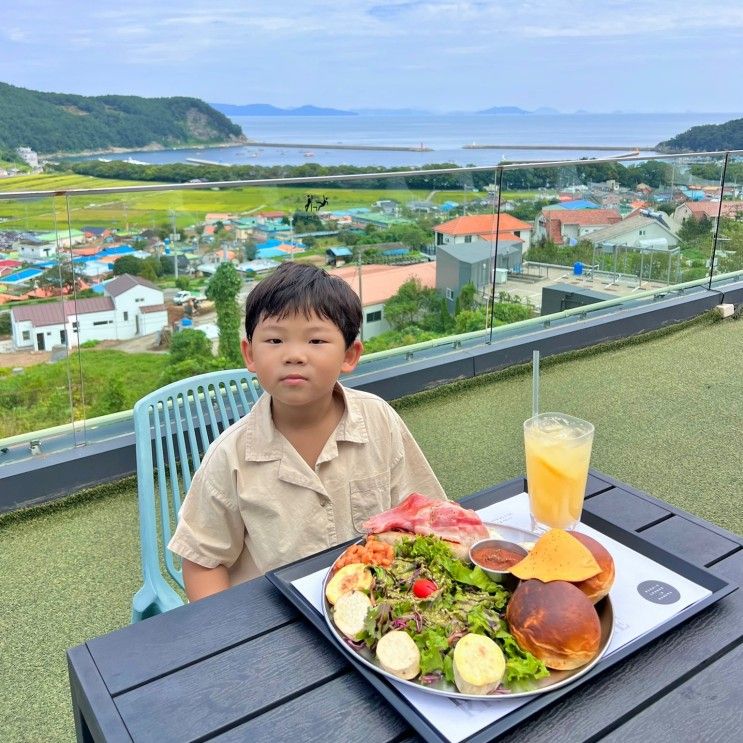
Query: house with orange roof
x,y
483,227
375,284
568,226
214,217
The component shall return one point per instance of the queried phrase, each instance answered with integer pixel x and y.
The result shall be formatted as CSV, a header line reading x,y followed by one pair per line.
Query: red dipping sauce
x,y
495,558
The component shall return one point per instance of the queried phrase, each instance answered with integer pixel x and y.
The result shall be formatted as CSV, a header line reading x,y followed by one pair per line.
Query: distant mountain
x,y
392,112
496,110
63,122
706,138
266,109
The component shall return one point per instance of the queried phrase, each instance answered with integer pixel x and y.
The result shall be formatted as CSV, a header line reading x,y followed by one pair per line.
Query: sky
x,y
438,55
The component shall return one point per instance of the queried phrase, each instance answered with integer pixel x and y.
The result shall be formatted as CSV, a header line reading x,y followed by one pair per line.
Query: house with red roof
x,y
568,226
130,306
483,228
710,209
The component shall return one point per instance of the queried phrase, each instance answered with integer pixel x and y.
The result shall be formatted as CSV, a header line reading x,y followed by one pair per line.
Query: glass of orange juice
x,y
558,452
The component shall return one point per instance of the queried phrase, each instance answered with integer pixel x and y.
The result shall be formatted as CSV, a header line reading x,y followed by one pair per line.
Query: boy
x,y
312,460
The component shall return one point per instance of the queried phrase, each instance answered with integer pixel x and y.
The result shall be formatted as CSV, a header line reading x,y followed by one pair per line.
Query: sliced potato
x,y
399,655
479,664
353,577
349,613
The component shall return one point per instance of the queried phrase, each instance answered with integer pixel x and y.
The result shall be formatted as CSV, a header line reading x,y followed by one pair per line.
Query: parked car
x,y
182,296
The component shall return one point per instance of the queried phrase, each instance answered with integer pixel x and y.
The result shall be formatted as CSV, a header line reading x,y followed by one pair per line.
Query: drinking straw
x,y
535,383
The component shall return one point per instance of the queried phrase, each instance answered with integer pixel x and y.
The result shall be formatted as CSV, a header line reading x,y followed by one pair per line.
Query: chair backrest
x,y
173,428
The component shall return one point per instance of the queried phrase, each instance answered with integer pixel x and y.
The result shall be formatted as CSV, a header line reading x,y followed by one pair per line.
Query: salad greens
x,y
466,600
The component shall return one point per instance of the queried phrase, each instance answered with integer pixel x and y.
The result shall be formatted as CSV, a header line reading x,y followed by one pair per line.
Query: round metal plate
x,y
555,680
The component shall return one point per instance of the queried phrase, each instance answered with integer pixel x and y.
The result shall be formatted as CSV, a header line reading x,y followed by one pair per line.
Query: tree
x,y
128,264
693,228
413,304
61,277
222,290
466,298
250,250
155,264
468,320
189,344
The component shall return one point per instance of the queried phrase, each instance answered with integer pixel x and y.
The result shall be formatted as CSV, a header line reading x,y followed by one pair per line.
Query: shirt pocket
x,y
369,496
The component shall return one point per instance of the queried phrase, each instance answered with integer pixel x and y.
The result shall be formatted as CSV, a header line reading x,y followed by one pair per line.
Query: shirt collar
x,y
263,443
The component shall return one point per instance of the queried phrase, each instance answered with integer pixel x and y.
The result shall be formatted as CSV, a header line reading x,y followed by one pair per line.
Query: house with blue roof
x,y
25,276
339,254
268,230
573,204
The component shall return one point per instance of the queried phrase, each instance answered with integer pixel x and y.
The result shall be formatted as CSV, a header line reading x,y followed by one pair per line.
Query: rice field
x,y
148,210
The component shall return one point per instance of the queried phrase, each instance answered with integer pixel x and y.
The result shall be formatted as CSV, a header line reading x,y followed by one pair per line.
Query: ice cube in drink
x,y
558,453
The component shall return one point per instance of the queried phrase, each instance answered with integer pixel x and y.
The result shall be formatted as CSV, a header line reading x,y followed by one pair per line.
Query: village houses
x,y
130,306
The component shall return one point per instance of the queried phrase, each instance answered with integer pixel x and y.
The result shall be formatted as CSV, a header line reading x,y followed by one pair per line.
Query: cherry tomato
x,y
423,588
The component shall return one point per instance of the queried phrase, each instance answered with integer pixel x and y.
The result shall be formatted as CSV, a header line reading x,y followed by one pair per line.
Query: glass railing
x,y
443,259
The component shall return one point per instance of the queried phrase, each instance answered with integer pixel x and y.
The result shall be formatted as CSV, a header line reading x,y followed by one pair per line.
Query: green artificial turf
x,y
667,410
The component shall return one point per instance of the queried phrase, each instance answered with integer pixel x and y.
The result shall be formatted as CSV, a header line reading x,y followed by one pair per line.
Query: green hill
x,y
707,138
62,122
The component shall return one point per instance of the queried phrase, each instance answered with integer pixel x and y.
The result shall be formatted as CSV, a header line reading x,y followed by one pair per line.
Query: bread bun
x,y
598,586
555,622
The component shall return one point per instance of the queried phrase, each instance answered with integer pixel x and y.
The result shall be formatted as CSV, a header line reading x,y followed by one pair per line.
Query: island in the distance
x,y
266,109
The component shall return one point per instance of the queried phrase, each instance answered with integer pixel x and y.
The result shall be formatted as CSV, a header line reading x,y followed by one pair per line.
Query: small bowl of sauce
x,y
496,557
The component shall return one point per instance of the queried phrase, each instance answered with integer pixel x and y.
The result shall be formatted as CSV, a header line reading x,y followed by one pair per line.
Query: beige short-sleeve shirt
x,y
254,504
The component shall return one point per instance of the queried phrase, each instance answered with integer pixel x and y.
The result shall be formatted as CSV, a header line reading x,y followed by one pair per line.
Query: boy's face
x,y
298,359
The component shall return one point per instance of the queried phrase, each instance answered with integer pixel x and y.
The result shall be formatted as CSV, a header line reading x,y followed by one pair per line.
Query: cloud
x,y
371,51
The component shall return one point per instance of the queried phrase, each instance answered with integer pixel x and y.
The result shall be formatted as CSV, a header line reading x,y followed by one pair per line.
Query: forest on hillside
x,y
707,138
63,122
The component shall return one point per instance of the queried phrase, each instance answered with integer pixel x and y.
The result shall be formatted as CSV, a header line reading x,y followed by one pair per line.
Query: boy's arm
x,y
201,582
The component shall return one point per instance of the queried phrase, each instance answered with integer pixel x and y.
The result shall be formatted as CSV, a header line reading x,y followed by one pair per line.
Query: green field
x,y
100,382
137,211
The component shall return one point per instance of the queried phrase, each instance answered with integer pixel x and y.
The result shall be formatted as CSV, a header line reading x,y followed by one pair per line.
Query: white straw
x,y
535,383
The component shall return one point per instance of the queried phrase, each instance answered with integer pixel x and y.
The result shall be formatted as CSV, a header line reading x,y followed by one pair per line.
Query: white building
x,y
635,232
131,306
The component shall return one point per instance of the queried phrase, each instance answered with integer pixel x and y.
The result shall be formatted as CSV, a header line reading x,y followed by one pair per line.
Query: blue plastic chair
x,y
173,428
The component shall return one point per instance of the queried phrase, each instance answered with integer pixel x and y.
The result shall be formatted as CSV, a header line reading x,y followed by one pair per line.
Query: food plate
x,y
555,680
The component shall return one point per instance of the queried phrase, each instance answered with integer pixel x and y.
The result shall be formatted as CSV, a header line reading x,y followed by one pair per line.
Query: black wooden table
x,y
245,666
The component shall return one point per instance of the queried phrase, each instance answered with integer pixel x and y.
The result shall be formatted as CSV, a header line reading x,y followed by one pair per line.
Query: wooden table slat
x,y
182,636
708,707
492,495
229,687
345,710
96,716
690,541
596,484
625,508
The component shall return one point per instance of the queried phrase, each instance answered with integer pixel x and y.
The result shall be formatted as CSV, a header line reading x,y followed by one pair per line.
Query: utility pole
x,y
173,238
361,296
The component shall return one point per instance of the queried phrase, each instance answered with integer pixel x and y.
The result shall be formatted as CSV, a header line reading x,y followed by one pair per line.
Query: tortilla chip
x,y
557,556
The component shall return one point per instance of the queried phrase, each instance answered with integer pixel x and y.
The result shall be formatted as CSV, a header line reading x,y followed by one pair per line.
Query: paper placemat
x,y
645,595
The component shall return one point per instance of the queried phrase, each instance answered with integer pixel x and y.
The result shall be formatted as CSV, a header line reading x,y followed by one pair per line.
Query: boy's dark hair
x,y
302,288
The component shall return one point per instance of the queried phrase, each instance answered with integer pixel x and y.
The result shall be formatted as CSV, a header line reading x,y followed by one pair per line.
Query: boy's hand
x,y
201,582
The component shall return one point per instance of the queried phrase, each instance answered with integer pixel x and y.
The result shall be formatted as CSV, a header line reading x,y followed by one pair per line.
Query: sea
x,y
446,137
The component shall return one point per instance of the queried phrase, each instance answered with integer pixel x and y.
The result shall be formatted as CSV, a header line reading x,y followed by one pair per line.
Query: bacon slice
x,y
427,516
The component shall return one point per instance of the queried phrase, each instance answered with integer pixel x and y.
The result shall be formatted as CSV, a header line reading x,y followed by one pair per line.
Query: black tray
x,y
282,579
